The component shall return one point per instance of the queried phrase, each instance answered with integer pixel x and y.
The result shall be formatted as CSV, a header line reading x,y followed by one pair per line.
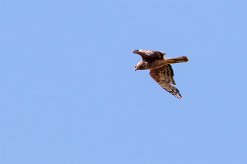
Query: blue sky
x,y
70,95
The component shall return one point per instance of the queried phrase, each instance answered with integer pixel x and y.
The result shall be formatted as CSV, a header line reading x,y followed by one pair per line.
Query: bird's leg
x,y
180,59
162,62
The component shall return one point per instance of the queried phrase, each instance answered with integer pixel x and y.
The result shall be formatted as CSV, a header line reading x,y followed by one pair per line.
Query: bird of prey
x,y
160,68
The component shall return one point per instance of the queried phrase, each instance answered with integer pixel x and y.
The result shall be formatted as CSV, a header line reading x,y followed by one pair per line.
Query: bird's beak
x,y
135,69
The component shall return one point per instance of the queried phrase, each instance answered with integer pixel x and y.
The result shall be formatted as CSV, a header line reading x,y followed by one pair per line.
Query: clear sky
x,y
69,93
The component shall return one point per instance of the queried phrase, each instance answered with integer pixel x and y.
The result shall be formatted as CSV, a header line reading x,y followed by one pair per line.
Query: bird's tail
x,y
177,60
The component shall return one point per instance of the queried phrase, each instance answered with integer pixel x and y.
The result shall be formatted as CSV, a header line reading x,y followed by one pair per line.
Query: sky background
x,y
69,93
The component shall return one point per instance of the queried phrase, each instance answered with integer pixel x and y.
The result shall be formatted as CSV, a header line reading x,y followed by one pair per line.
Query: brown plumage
x,y
160,69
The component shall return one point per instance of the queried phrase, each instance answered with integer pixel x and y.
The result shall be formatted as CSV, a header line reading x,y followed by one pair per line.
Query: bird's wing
x,y
164,77
151,55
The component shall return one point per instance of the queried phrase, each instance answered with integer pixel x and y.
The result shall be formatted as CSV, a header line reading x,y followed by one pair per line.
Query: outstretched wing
x,y
164,77
149,55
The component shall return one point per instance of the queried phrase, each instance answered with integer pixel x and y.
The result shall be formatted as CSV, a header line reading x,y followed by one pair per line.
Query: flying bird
x,y
160,68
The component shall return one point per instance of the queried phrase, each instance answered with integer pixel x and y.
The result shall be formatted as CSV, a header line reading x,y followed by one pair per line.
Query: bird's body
x,y
160,68
145,64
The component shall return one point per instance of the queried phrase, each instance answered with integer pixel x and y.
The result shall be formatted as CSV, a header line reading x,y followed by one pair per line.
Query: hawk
x,y
160,68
